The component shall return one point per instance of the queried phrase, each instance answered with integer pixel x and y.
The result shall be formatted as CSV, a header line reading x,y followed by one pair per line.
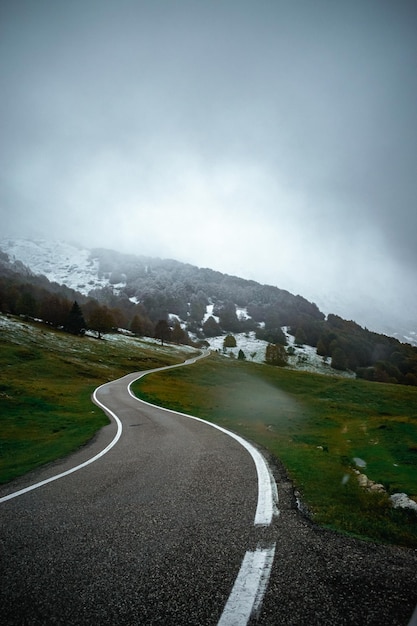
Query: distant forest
x,y
168,300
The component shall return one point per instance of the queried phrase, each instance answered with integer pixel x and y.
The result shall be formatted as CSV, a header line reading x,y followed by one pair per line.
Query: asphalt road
x,y
155,532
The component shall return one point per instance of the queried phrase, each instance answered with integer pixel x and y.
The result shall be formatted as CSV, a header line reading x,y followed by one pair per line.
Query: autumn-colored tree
x,y
229,342
54,310
179,335
162,331
101,320
136,326
300,337
276,354
339,360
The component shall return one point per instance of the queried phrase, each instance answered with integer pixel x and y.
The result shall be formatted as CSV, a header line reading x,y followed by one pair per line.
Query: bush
x,y
229,342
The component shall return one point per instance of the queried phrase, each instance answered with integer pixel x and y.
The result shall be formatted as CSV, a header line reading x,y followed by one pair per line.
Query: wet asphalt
x,y
155,531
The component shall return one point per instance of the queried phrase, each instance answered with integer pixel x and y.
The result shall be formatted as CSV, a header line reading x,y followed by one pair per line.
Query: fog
x,y
272,140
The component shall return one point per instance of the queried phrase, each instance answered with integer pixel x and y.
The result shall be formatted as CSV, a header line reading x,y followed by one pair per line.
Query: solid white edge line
x,y
250,585
267,505
77,467
249,588
15,494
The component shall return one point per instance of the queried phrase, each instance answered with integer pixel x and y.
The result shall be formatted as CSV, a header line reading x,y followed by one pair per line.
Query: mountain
x,y
138,292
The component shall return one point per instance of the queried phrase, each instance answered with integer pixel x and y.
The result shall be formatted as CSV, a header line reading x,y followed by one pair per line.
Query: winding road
x,y
165,519
161,519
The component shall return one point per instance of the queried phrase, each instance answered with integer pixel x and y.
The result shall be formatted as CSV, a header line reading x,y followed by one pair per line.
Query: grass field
x,y
316,425
46,381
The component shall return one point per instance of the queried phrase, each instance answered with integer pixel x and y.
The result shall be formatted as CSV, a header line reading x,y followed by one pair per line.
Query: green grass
x,y
46,381
316,425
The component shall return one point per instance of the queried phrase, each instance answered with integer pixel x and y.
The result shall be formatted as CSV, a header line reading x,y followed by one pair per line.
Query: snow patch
x,y
60,262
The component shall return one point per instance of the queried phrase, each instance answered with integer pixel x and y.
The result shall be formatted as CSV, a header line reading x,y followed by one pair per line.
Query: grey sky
x,y
276,140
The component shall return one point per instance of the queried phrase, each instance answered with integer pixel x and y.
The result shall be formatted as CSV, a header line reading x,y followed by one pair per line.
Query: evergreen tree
x,y
211,327
75,322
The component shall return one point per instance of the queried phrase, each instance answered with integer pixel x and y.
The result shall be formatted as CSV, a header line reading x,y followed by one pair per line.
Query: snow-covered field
x,y
305,357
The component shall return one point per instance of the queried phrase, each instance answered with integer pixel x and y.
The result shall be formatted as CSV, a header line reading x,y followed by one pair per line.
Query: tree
x,y
197,308
75,322
241,355
179,335
300,337
162,331
55,310
136,326
276,355
272,335
26,304
229,342
211,327
339,360
101,320
322,349
227,317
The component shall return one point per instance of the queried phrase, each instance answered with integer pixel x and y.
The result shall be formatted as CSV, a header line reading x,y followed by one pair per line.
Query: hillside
x,y
196,304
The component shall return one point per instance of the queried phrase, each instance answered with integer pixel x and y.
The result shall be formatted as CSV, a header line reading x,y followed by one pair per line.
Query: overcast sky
x,y
272,139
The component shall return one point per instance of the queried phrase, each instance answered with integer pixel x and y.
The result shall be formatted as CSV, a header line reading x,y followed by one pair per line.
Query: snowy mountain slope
x,y
60,262
78,268
305,358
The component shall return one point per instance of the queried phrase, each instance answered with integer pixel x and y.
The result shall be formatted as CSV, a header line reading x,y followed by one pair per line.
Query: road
x,y
160,530
152,532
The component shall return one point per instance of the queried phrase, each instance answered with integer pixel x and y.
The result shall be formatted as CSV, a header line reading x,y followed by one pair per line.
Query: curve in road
x,y
246,597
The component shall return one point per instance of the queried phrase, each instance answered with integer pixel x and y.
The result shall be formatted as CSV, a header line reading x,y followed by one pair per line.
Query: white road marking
x,y
267,489
15,494
77,467
250,585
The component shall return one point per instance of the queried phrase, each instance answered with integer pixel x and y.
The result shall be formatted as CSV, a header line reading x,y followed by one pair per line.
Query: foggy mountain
x,y
101,272
179,302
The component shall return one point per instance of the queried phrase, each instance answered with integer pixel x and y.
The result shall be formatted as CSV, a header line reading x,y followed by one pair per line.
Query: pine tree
x,y
211,328
75,322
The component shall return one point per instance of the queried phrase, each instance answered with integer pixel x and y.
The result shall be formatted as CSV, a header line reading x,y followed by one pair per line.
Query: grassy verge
x,y
46,381
317,426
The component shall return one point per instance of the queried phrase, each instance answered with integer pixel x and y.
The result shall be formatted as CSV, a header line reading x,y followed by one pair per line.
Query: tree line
x,y
73,313
171,288
348,346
